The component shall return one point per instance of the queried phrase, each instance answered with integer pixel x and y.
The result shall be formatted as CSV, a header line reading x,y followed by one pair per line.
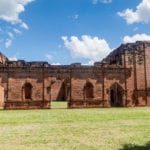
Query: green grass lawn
x,y
59,105
75,129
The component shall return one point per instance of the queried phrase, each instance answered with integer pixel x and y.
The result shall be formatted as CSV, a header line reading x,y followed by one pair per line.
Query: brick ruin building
x,y
121,79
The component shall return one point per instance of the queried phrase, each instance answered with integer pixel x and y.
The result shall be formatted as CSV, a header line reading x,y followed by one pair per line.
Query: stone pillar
x,y
1,97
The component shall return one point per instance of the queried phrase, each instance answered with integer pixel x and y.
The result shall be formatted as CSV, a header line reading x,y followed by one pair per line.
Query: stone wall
x,y
102,79
121,79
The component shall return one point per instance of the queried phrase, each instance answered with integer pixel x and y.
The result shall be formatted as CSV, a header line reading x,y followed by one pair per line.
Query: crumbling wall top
x,y
3,59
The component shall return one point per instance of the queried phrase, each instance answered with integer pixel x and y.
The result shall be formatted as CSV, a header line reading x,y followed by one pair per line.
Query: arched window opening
x,y
89,90
28,90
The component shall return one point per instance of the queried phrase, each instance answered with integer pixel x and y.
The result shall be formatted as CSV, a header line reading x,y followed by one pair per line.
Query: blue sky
x,y
69,31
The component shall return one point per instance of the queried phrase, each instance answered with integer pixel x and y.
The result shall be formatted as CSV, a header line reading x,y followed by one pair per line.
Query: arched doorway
x,y
89,90
116,95
59,96
112,97
28,91
62,93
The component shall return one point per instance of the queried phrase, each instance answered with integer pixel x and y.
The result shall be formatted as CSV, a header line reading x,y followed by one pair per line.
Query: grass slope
x,y
74,129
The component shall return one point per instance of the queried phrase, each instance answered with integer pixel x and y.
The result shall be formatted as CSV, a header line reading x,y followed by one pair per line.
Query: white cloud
x,y
1,40
10,35
17,31
76,16
49,56
102,1
11,9
91,62
59,46
135,29
57,64
24,26
8,43
137,37
141,14
88,47
14,58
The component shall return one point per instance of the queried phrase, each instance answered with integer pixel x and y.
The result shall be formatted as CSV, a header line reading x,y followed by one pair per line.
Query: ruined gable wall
x,y
123,57
132,56
140,75
147,66
128,63
136,58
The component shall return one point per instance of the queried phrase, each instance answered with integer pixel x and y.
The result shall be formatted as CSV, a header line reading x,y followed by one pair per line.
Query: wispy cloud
x,y
24,26
135,29
10,35
49,56
101,1
74,17
17,31
8,43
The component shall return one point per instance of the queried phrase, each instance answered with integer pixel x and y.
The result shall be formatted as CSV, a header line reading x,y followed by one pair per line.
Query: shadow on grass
x,y
136,147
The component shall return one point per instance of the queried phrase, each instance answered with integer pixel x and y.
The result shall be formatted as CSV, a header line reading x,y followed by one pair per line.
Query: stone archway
x,y
1,97
116,95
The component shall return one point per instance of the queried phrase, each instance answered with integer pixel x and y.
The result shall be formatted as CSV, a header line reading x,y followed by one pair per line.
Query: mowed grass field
x,y
75,129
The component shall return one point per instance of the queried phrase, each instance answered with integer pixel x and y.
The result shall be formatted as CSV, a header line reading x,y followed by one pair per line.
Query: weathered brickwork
x,y
122,79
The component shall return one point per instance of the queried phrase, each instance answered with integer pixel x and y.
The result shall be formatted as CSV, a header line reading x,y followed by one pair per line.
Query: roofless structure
x,y
122,79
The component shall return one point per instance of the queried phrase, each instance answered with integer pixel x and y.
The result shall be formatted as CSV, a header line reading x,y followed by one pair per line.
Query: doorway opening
x,y
59,100
116,95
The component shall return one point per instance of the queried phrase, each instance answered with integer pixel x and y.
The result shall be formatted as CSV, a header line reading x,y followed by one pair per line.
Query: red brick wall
x,y
127,68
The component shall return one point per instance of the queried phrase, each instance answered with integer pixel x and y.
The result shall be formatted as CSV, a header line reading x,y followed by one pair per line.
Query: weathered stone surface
x,y
121,79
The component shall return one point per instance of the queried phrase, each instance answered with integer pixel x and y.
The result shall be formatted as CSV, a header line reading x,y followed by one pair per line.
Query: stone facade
x,y
122,79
